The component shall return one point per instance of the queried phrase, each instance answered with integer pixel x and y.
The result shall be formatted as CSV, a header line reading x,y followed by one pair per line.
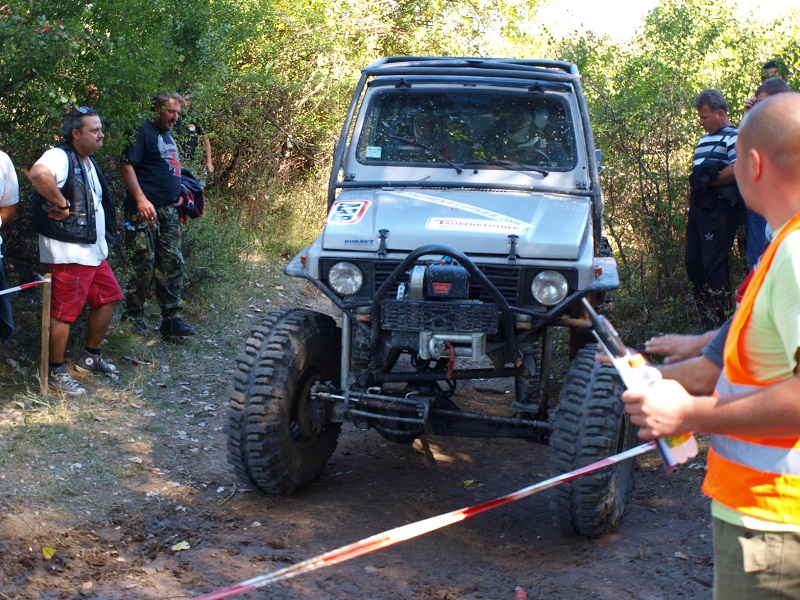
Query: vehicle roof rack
x,y
466,66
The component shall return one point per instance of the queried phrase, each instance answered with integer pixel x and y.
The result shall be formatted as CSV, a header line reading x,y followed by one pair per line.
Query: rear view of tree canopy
x,y
272,80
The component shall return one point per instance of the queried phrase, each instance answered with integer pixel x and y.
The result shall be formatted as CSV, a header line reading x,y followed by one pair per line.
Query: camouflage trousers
x,y
154,251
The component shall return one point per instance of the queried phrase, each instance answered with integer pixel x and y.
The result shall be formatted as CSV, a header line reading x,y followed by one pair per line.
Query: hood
x,y
475,222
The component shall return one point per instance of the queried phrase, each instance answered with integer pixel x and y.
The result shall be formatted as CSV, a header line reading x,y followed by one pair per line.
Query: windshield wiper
x,y
506,164
433,151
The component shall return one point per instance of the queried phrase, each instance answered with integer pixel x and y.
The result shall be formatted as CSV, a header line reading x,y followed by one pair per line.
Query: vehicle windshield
x,y
480,128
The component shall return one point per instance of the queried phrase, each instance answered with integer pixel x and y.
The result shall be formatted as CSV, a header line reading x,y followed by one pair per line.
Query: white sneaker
x,y
60,380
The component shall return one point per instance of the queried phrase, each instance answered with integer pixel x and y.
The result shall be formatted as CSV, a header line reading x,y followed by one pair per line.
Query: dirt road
x,y
154,475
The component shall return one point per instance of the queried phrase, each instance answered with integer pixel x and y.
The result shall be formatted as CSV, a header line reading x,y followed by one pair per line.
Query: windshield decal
x,y
489,214
347,212
445,224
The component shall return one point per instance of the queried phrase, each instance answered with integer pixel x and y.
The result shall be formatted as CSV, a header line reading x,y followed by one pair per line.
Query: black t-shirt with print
x,y
154,156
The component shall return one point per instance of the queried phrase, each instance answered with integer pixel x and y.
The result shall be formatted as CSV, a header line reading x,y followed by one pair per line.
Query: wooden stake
x,y
44,389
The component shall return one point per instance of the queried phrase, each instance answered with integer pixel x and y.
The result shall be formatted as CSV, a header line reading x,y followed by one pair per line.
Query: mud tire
x,y
590,424
272,441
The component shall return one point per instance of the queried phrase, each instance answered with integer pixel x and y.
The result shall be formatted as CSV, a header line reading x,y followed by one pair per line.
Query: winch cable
x,y
418,528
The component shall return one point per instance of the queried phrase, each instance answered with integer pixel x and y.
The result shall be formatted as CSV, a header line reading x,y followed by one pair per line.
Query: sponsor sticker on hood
x,y
449,224
484,212
347,212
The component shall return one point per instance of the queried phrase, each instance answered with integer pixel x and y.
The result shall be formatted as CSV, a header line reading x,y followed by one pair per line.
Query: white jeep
x,y
464,228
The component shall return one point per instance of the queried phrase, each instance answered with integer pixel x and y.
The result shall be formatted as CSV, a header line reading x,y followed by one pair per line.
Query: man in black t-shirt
x,y
151,170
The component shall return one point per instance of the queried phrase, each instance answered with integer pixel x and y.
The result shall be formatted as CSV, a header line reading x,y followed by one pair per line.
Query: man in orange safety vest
x,y
753,417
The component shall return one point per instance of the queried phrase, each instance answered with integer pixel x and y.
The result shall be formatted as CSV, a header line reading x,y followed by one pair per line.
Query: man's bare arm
x,y
209,166
697,375
667,409
726,176
7,213
677,347
44,182
146,209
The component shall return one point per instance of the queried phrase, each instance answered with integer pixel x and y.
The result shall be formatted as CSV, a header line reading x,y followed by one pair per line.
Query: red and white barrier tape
x,y
24,286
412,530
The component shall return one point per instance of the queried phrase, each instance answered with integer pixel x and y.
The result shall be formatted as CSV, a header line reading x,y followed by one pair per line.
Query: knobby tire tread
x,y
589,425
267,372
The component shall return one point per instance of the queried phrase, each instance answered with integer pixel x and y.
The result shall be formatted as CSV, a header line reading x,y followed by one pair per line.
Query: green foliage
x,y
213,248
640,96
271,81
108,54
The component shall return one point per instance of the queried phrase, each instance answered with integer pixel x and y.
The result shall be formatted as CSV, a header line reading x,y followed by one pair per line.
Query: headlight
x,y
549,288
345,278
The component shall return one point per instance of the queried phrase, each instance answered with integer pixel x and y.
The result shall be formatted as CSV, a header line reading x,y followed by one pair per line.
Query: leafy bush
x,y
271,81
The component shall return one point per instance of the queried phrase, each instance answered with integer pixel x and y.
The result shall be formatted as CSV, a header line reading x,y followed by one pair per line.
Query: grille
x,y
507,279
449,317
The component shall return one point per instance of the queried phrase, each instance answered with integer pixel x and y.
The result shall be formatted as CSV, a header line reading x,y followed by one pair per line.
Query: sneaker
x,y
96,363
59,380
176,327
139,325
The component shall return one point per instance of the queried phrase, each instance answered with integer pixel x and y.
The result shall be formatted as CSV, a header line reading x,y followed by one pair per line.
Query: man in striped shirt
x,y
713,209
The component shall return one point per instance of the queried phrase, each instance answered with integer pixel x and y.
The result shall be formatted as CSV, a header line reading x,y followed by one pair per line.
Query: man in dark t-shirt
x,y
151,170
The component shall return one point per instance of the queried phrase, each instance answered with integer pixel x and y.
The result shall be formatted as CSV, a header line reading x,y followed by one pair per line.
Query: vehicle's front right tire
x,y
590,424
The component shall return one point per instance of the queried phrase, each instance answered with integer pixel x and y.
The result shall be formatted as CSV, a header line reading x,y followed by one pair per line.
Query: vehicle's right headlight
x,y
345,278
549,287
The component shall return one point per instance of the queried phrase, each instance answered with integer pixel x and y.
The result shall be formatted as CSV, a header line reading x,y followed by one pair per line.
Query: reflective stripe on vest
x,y
781,461
756,476
779,456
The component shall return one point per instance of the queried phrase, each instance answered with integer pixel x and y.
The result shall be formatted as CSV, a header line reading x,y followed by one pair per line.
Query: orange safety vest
x,y
759,477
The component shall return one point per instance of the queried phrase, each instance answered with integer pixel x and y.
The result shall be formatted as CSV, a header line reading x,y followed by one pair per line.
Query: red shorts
x,y
74,285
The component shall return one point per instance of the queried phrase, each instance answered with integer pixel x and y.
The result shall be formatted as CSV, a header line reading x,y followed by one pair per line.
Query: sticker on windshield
x,y
347,212
373,152
445,224
489,214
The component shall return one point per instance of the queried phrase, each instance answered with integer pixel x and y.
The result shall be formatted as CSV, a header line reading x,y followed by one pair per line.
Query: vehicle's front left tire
x,y
279,438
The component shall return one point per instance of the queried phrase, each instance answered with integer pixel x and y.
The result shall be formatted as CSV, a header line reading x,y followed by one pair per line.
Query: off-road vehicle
x,y
464,228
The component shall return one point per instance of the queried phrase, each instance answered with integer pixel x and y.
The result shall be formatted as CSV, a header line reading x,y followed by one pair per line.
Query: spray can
x,y
636,375
674,450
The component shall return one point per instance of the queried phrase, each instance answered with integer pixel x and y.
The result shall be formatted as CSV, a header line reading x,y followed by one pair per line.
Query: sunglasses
x,y
85,110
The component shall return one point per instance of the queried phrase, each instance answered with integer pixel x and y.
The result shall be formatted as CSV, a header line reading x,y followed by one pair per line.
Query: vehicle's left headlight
x,y
549,287
345,278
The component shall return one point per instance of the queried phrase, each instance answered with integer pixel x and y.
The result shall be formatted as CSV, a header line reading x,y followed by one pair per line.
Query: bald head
x,y
772,127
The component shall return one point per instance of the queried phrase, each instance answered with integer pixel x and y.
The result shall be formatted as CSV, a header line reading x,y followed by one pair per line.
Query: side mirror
x,y
598,155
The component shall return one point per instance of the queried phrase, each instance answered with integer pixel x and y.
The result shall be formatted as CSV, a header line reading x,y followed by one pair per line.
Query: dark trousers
x,y
710,232
756,238
6,320
155,251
